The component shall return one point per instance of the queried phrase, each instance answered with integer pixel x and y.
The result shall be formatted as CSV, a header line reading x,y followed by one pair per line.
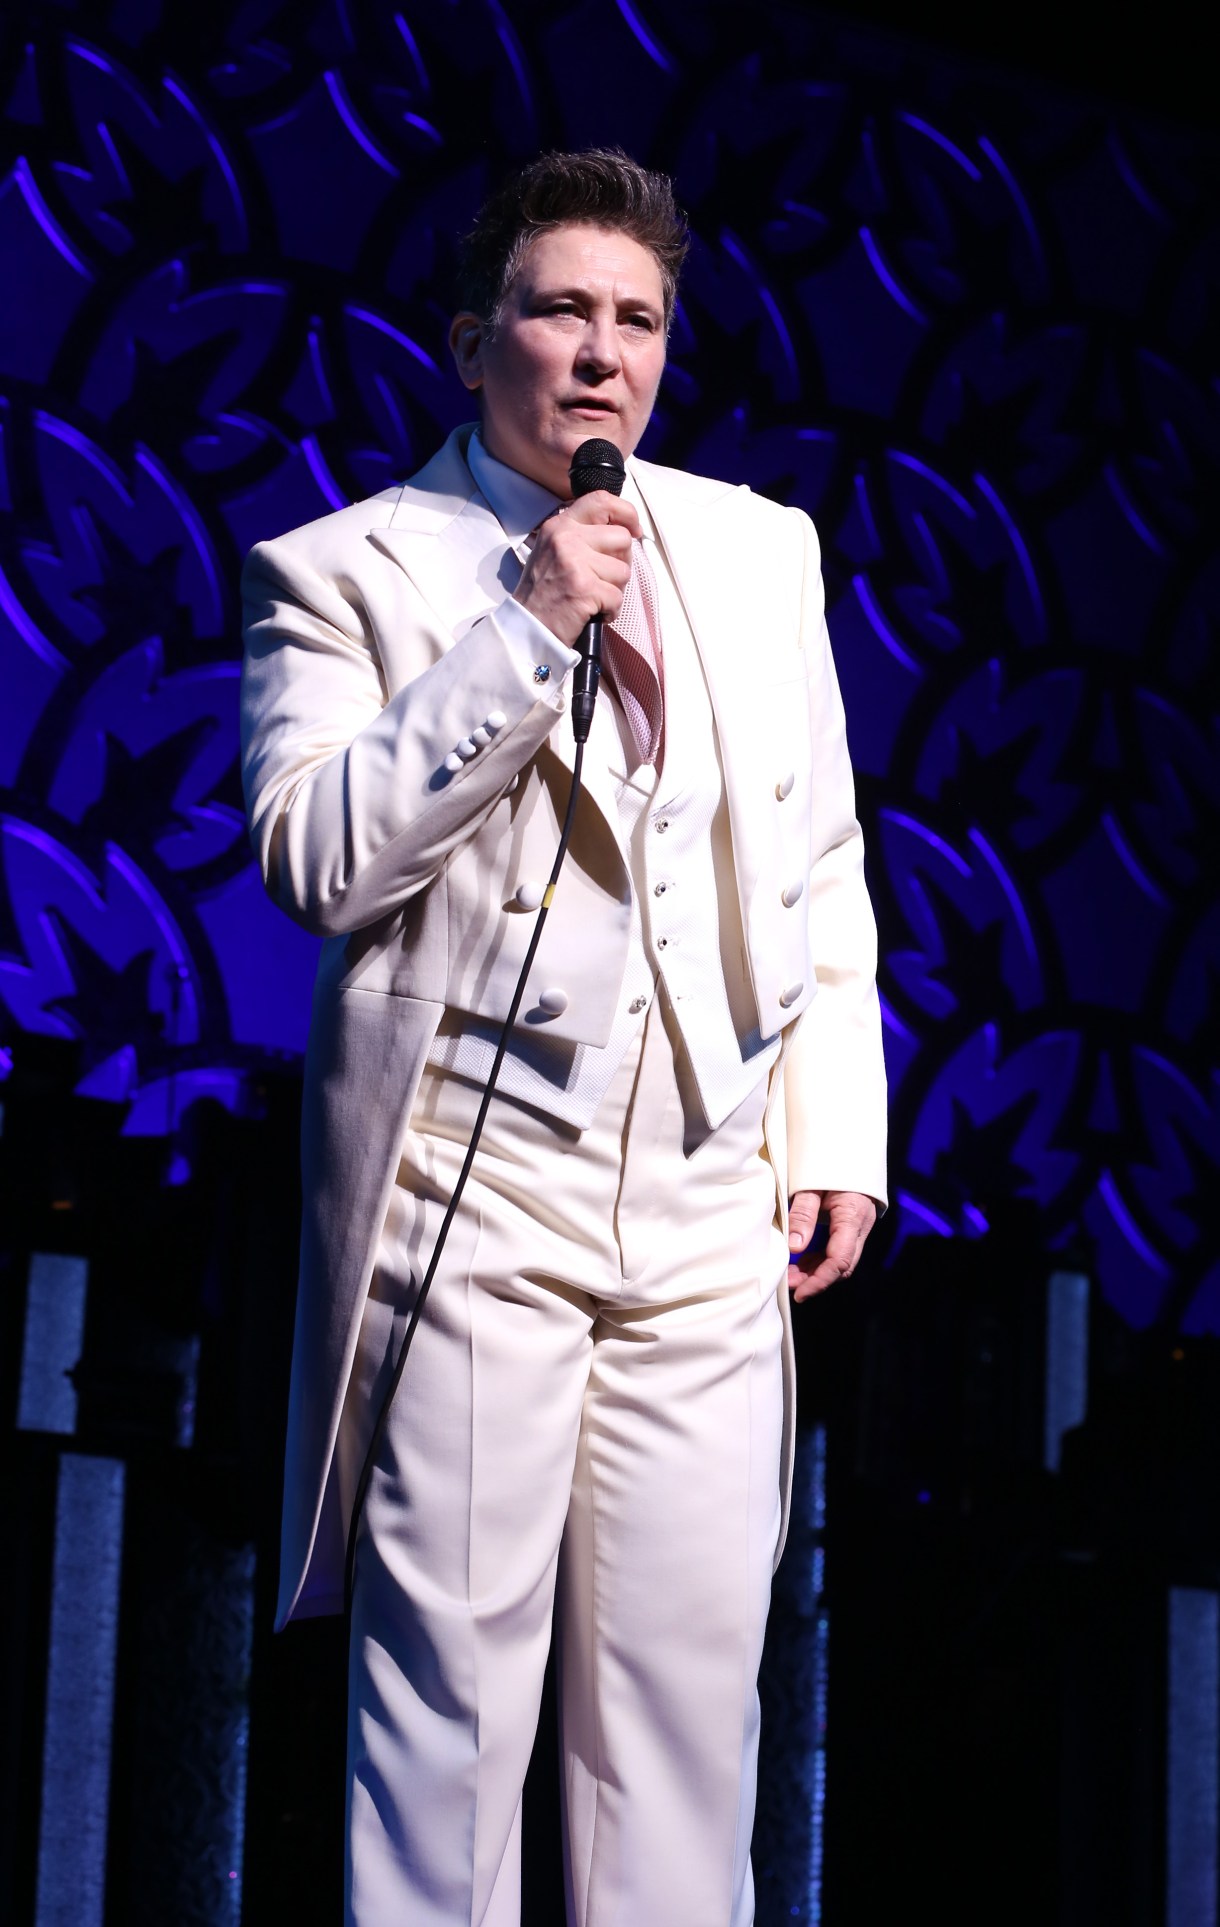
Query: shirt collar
x,y
518,503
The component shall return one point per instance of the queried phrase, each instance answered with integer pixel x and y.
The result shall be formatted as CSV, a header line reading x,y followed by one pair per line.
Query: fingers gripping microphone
x,y
596,464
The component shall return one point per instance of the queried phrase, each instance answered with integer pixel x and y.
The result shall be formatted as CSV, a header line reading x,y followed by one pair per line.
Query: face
x,y
579,352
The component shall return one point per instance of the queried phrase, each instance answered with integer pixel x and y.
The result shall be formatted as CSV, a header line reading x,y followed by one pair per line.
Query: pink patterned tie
x,y
632,652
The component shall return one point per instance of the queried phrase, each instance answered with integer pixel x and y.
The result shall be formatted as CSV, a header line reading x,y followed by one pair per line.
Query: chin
x,y
605,428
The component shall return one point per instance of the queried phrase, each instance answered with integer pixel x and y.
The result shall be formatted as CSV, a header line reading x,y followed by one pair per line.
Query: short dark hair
x,y
600,187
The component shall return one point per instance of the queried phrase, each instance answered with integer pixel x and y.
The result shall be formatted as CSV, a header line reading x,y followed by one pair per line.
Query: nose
x,y
599,346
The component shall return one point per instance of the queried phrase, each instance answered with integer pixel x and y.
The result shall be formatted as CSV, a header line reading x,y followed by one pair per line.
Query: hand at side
x,y
850,1216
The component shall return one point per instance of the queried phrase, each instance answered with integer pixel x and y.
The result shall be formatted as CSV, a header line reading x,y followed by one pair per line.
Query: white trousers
x,y
593,1393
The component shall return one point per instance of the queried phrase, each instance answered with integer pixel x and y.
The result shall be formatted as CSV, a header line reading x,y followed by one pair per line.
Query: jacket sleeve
x,y
353,799
834,1072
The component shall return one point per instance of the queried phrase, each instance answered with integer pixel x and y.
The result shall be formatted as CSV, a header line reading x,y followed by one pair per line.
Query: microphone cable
x,y
366,1470
596,464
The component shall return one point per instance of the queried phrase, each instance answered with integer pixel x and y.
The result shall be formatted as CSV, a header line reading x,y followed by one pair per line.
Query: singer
x,y
596,1411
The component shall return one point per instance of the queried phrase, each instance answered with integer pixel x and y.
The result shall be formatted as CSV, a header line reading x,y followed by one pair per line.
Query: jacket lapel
x,y
692,535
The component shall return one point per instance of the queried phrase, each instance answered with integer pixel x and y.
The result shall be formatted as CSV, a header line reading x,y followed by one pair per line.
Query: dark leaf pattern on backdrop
x,y
969,325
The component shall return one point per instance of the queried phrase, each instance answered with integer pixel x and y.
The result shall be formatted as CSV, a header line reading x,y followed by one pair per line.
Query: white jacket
x,y
355,696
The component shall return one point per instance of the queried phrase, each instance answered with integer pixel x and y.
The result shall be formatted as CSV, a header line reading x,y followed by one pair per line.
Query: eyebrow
x,y
579,290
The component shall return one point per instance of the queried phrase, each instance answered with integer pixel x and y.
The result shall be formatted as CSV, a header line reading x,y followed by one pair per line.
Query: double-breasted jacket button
x,y
529,897
784,787
789,996
553,1001
793,893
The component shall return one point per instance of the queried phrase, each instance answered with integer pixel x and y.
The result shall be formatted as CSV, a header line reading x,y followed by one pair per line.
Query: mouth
x,y
589,405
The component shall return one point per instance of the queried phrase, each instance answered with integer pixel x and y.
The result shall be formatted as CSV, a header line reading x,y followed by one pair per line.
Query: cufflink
x,y
542,672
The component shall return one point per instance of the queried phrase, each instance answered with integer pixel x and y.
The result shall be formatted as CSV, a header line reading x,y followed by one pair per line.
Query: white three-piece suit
x,y
407,753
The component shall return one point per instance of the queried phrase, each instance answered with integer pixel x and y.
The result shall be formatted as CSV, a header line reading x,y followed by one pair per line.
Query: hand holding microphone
x,y
580,565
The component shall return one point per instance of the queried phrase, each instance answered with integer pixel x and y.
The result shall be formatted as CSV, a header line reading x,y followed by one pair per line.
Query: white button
x,y
510,786
784,786
659,889
481,736
793,893
528,897
662,943
453,762
637,1005
788,997
553,1001
662,823
495,721
466,749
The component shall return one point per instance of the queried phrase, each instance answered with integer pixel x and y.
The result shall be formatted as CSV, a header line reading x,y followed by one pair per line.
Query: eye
x,y
643,323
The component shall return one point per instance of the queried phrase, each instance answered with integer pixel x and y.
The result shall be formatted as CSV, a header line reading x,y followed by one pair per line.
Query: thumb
x,y
803,1218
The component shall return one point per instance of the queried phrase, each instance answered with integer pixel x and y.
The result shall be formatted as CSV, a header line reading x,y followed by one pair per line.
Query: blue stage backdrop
x,y
966,322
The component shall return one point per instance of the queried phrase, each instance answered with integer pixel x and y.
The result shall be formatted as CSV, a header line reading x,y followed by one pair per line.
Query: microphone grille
x,y
597,464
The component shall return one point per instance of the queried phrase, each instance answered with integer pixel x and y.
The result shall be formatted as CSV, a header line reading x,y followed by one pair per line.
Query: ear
x,y
466,336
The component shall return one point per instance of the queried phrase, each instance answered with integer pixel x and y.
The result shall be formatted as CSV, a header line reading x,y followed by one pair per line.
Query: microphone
x,y
596,464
